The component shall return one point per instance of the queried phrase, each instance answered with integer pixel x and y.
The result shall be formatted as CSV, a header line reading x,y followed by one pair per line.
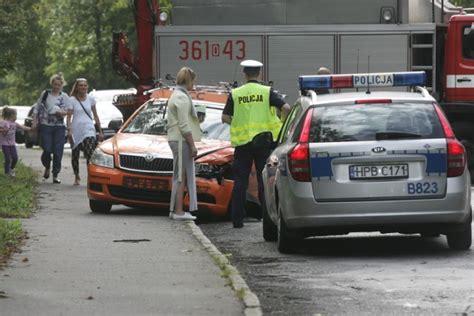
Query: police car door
x,y
276,163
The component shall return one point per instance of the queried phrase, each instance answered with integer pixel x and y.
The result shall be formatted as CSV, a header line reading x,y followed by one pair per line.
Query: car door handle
x,y
464,80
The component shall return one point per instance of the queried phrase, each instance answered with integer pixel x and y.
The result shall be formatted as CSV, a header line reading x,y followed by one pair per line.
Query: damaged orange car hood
x,y
211,150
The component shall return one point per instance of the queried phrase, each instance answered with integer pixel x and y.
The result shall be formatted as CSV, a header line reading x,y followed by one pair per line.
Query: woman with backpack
x,y
48,117
80,124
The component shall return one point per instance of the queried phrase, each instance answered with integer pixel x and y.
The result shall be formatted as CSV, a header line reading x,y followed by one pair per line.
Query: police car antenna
x,y
235,73
368,74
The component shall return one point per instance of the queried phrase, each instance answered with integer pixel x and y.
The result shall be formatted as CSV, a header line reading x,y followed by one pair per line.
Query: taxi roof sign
x,y
386,79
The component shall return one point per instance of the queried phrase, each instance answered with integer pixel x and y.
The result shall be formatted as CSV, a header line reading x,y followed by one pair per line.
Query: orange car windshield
x,y
151,120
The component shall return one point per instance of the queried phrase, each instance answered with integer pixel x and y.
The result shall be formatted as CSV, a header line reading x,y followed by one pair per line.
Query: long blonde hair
x,y
74,89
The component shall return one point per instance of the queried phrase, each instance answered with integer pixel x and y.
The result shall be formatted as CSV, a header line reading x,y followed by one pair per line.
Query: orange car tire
x,y
99,206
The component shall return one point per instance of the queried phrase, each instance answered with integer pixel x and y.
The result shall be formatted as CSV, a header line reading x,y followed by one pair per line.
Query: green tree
x,y
80,41
41,37
463,3
22,53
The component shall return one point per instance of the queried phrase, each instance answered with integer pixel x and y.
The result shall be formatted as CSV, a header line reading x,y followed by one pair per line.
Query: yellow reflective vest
x,y
252,114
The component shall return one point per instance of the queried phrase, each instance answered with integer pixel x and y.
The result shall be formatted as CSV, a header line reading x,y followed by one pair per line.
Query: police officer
x,y
253,125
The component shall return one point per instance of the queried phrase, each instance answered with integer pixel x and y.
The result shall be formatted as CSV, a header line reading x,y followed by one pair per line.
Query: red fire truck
x,y
296,37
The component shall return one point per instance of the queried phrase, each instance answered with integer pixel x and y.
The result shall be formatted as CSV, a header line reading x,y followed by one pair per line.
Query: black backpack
x,y
45,96
42,107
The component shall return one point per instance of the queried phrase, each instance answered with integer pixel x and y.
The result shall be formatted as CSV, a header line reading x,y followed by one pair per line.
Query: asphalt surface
x,y
129,262
356,274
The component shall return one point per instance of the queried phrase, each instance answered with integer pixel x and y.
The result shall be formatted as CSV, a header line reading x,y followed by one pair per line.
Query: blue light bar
x,y
413,78
315,82
395,79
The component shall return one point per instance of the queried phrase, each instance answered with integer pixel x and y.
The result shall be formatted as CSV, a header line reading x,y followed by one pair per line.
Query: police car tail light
x,y
306,130
372,101
386,79
298,158
448,131
456,158
456,151
298,161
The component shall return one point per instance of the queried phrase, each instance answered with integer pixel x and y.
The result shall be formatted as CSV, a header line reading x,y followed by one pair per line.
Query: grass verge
x,y
11,235
17,194
16,201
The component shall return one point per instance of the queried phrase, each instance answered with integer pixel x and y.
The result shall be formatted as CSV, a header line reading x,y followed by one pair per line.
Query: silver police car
x,y
366,161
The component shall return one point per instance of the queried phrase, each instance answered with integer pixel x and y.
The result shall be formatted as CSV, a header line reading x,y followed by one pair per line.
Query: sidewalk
x,y
79,263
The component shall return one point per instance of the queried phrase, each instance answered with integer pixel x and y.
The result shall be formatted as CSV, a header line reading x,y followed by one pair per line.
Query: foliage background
x,y
464,3
41,37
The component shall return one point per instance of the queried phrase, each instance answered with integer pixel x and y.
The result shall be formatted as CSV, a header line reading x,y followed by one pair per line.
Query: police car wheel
x,y
270,230
286,242
99,207
461,240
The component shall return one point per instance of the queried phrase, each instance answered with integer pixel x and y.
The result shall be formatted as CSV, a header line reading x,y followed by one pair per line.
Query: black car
x,y
30,137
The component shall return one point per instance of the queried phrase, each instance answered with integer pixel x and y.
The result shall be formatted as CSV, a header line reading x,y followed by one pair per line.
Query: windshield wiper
x,y
395,135
155,133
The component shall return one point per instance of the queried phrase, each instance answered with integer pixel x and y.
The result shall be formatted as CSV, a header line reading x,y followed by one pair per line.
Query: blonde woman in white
x,y
183,132
81,121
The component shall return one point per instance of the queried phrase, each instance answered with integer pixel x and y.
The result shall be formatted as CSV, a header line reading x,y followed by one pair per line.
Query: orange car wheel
x,y
99,206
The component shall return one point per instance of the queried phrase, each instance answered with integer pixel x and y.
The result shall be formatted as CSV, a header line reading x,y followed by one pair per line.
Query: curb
x,y
240,287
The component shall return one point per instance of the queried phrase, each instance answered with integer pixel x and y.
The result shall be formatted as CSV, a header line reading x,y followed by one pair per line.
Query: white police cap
x,y
251,63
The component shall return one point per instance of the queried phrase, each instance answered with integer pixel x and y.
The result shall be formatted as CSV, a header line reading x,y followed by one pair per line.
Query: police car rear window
x,y
365,122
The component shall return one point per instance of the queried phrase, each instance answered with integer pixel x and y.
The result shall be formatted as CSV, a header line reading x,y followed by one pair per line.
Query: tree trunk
x,y
98,37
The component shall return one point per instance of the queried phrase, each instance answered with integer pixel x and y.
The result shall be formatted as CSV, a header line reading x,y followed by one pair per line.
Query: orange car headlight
x,y
99,158
207,171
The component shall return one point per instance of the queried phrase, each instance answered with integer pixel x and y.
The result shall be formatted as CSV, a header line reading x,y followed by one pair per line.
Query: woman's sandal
x,y
77,181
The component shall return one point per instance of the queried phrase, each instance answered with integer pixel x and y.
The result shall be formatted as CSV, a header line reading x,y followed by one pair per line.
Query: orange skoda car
x,y
135,167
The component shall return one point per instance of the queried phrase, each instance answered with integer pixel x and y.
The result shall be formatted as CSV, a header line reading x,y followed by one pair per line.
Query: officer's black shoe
x,y
238,225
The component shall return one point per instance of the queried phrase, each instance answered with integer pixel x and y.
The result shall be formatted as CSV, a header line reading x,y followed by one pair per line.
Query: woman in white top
x,y
183,131
81,130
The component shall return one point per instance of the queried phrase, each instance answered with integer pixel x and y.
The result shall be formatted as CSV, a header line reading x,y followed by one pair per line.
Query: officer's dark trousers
x,y
244,156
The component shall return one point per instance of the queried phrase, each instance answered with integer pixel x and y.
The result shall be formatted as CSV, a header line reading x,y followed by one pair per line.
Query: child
x,y
8,128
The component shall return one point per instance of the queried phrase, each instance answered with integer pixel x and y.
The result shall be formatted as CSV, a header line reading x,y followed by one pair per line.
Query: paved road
x,y
371,274
78,263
